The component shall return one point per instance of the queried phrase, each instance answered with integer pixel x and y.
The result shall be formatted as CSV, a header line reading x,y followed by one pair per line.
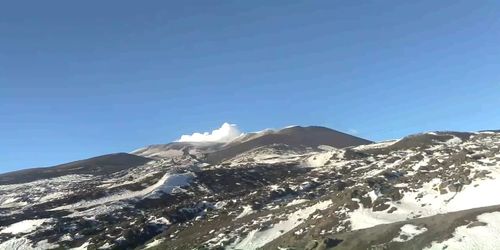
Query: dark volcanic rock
x,y
294,137
101,165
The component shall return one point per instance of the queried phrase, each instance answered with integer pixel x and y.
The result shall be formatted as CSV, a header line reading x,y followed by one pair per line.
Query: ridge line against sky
x,y
84,79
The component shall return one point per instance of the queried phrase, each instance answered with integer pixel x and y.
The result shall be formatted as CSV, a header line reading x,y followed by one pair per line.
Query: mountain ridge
x,y
311,136
103,164
213,152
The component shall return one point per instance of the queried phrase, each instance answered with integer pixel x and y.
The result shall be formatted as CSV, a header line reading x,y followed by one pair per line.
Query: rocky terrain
x,y
296,188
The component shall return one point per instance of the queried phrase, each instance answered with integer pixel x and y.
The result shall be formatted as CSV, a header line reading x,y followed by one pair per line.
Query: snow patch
x,y
319,160
25,244
428,201
256,239
16,243
408,232
296,202
166,184
479,237
377,145
52,196
326,148
246,211
25,226
154,243
453,141
44,244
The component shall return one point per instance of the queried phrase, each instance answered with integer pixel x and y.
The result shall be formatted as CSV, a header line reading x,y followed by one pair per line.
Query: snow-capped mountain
x,y
295,188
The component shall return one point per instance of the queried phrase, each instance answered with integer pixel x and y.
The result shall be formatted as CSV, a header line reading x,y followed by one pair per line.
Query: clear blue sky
x,y
85,78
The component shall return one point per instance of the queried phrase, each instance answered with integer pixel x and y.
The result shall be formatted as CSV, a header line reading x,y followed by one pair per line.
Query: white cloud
x,y
227,132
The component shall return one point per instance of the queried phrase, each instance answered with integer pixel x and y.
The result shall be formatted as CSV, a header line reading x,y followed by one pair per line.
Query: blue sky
x,y
80,79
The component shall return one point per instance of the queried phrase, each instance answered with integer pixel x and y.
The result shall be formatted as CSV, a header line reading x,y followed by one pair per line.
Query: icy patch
x,y
407,208
98,210
453,141
296,202
44,244
26,195
154,243
408,232
246,211
105,246
8,200
166,184
479,237
82,247
66,237
160,220
158,152
421,163
319,160
39,183
52,196
256,239
25,226
428,201
377,145
480,193
270,154
12,202
220,204
326,148
16,243
172,182
25,244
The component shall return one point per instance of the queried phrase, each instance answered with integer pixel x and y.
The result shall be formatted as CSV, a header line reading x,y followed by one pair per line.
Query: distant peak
x,y
297,127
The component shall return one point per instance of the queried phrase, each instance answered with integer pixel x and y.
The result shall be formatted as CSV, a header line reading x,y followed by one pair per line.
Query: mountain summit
x,y
296,136
215,151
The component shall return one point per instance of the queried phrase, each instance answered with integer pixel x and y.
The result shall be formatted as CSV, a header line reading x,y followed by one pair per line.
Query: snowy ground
x,y
408,232
427,199
26,226
265,196
259,238
476,237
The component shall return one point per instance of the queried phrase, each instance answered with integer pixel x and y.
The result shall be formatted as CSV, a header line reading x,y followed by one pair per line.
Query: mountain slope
x,y
430,190
100,165
293,137
177,149
434,232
